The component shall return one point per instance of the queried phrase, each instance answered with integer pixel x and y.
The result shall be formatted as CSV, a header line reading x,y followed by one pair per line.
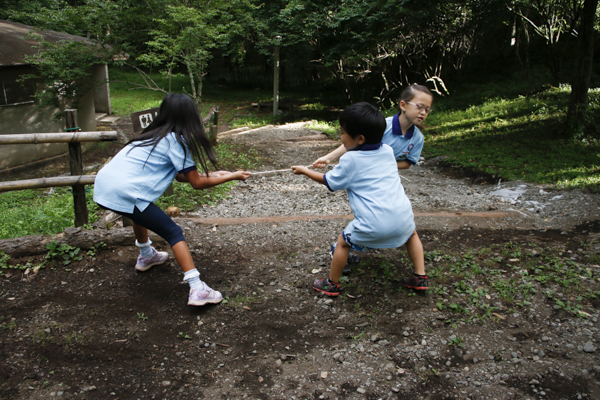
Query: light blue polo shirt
x,y
407,147
138,176
383,216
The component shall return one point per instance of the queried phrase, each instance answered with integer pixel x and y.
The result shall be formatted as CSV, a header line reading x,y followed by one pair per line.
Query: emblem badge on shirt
x,y
410,147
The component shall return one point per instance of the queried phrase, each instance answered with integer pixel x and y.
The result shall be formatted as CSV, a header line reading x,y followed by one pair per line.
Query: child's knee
x,y
341,242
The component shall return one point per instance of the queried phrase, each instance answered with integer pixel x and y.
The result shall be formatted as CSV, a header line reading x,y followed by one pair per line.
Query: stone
x,y
589,347
173,212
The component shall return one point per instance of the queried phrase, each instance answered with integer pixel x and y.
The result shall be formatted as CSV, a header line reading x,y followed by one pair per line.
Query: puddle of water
x,y
509,195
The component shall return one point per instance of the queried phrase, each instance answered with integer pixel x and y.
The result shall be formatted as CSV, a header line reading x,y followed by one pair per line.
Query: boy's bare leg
x,y
414,248
339,260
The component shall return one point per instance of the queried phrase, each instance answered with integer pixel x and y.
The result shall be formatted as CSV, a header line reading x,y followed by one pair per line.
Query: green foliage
x,y
538,149
331,129
8,323
94,250
186,35
184,336
456,341
39,211
65,68
63,251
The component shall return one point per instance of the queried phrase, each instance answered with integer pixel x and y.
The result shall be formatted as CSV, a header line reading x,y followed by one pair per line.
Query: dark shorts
x,y
348,238
156,220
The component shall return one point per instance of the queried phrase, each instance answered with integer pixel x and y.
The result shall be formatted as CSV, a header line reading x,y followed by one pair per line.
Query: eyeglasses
x,y
421,107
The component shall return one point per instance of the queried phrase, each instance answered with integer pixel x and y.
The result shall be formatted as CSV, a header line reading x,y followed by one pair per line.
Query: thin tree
x,y
583,67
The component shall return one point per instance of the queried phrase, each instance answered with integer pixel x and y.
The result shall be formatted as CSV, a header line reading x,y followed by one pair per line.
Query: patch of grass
x,y
74,338
39,211
479,285
47,212
522,137
331,129
241,300
252,121
8,323
233,103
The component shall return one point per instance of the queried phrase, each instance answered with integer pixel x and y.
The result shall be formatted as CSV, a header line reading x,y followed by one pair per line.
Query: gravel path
x,y
520,205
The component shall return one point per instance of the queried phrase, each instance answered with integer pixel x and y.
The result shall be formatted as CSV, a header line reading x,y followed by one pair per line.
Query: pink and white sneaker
x,y
202,297
144,264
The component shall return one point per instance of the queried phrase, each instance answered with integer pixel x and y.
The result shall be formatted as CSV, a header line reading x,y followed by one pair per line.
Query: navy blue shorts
x,y
156,220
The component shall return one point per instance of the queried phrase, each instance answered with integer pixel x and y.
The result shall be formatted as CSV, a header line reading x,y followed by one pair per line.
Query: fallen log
x,y
76,237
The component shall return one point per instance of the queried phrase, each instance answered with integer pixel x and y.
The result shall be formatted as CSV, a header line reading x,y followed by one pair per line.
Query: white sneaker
x,y
201,297
158,257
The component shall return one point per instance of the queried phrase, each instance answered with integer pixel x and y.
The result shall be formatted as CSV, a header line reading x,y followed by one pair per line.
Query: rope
x,y
276,170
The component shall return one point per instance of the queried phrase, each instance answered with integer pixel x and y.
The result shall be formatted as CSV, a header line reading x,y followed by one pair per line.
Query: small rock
x,y
361,390
173,212
589,347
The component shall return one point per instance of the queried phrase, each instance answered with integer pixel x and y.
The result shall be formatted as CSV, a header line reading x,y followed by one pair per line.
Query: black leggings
x,y
156,220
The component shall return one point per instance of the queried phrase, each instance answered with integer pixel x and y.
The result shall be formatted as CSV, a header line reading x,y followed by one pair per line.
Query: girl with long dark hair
x,y
139,174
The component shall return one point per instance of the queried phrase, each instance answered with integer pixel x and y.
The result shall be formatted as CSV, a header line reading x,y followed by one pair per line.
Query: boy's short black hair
x,y
363,119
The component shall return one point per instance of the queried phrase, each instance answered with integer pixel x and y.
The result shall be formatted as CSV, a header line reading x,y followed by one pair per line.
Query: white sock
x,y
193,279
145,249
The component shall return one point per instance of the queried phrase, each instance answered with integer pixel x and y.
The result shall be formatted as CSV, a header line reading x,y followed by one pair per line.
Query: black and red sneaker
x,y
327,286
417,282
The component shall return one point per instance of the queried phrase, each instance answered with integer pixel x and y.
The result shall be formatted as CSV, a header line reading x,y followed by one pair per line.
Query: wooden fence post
x,y
212,134
76,166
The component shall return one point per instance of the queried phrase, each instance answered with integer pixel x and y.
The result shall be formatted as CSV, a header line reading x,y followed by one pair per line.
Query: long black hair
x,y
178,113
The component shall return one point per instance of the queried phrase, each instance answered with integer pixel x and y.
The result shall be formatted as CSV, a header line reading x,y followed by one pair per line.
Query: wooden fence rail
x,y
61,137
77,180
47,182
74,139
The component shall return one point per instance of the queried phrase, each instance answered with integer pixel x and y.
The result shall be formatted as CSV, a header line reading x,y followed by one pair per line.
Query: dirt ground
x,y
97,329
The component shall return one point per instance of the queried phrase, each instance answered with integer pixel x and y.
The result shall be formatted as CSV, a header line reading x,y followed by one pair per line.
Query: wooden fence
x,y
77,180
74,138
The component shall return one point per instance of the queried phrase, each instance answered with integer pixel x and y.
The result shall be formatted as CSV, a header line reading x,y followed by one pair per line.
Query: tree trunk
x,y
75,237
583,67
192,81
